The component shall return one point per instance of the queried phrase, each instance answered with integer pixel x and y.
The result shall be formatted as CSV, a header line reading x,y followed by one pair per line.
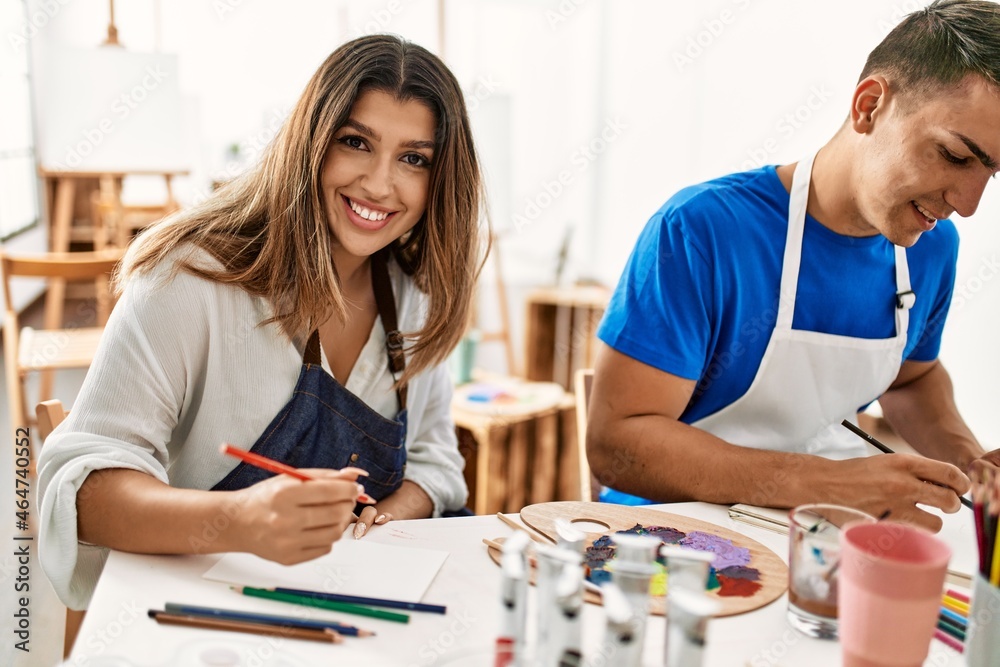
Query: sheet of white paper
x,y
353,567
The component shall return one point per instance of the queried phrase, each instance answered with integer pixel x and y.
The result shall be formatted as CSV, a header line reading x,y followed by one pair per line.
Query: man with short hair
x,y
761,309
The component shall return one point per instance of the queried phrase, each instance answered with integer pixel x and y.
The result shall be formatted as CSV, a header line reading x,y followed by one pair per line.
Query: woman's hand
x,y
409,501
370,516
290,521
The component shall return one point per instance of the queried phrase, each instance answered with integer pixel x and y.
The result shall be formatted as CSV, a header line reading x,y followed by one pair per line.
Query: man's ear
x,y
870,98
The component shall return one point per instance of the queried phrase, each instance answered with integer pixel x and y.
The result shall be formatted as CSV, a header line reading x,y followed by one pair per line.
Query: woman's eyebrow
x,y
369,132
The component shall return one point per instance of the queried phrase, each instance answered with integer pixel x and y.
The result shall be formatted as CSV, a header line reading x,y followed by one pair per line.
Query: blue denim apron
x,y
326,426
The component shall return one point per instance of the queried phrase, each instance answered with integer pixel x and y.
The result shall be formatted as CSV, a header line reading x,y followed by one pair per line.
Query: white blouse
x,y
183,366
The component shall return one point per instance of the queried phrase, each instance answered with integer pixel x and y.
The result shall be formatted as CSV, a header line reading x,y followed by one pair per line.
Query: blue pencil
x,y
265,619
952,616
371,602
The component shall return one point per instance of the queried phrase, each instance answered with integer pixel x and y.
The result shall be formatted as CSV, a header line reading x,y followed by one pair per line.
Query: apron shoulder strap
x,y
386,302
312,353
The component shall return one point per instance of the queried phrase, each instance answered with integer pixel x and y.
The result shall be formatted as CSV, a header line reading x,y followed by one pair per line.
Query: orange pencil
x,y
271,465
263,462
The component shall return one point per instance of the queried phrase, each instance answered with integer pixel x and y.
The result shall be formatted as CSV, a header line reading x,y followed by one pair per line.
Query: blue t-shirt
x,y
699,296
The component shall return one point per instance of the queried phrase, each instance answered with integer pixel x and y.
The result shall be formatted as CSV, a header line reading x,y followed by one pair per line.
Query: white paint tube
x,y
559,593
570,539
631,570
686,568
514,596
688,613
566,634
622,635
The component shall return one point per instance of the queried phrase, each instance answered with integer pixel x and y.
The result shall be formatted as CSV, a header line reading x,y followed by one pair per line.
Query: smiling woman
x,y
303,313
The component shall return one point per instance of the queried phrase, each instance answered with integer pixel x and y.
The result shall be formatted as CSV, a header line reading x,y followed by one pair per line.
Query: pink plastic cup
x,y
891,579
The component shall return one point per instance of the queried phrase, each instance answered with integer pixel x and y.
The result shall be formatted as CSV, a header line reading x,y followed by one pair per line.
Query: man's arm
x,y
636,444
920,407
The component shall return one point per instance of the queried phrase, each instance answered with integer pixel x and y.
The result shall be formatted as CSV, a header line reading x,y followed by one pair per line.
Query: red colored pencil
x,y
264,463
282,469
950,641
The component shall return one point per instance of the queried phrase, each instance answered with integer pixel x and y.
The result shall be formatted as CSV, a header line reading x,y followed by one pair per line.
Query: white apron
x,y
808,382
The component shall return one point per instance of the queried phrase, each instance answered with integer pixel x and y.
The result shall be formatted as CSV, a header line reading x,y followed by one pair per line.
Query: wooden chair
x,y
29,350
50,414
590,488
116,223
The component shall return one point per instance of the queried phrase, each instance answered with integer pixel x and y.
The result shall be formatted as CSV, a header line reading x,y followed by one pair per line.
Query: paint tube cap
x,y
639,549
570,537
516,543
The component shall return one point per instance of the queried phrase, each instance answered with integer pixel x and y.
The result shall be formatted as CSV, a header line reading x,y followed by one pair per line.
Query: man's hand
x,y
896,482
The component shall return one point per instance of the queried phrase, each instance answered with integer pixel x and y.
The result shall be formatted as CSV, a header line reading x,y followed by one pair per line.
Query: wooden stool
x,y
561,331
515,460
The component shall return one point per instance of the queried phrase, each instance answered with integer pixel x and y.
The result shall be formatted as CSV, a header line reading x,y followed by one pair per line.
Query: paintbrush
x,y
535,535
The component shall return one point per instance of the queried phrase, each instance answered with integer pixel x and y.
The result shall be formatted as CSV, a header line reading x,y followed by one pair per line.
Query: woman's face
x,y
376,173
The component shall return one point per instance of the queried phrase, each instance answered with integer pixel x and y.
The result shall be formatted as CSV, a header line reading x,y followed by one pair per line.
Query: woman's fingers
x,y
365,520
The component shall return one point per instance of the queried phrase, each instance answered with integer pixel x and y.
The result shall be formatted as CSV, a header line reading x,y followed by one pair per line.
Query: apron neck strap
x,y
386,302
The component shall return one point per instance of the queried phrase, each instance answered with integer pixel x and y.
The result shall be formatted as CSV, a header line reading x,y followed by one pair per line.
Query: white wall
x,y
680,91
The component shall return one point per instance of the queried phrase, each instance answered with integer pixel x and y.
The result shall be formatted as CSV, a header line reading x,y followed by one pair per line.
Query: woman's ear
x,y
870,97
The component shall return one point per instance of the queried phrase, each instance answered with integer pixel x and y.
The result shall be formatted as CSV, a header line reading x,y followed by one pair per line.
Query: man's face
x,y
925,159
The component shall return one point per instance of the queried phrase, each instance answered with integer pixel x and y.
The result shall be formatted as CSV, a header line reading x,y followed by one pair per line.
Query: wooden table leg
x,y
517,467
543,479
62,219
496,489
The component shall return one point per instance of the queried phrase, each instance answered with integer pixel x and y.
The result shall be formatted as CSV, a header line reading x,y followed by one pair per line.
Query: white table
x,y
117,632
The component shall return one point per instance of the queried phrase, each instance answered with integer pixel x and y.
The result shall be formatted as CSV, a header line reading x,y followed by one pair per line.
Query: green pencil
x,y
309,601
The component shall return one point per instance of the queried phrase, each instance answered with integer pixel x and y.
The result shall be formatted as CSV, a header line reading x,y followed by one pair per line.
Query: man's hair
x,y
939,46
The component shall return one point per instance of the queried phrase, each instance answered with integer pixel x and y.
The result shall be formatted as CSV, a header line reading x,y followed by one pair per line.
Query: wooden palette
x,y
773,571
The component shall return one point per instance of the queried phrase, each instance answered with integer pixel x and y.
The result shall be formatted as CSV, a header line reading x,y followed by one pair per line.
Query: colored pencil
x,y
371,602
958,618
955,625
955,606
995,572
271,465
263,462
328,636
951,631
950,641
268,619
885,450
961,597
309,601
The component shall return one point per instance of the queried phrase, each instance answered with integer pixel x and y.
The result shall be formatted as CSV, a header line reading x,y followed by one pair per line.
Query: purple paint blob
x,y
666,534
726,553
